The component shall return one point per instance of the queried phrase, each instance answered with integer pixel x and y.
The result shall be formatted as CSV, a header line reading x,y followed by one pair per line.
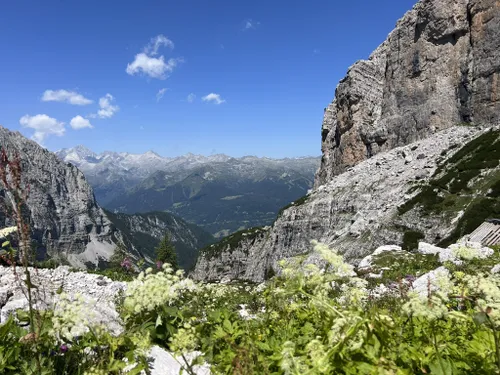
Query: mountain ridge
x,y
220,193
66,221
395,115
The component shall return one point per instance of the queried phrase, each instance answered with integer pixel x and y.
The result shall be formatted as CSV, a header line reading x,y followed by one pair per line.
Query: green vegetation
x,y
468,181
146,244
231,242
395,266
311,322
474,216
411,239
298,202
165,252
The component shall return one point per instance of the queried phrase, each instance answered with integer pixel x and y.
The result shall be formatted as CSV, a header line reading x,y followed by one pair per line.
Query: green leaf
x,y
227,326
6,243
441,367
480,318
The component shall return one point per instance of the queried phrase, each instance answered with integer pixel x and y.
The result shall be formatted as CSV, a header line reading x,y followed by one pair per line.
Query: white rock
x,y
366,262
164,363
430,281
426,248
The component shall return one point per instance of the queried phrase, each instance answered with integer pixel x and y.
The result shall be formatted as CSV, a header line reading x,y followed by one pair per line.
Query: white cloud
x,y
70,97
160,94
250,24
43,126
152,66
107,109
152,48
213,98
155,67
78,122
191,97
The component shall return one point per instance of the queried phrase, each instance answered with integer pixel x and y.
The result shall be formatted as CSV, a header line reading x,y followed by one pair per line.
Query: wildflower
x,y
410,279
150,291
184,340
430,308
4,232
126,264
63,348
71,317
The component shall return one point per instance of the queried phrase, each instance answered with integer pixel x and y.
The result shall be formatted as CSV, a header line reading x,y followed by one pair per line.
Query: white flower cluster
x,y
434,290
151,290
72,317
488,290
470,250
342,276
4,232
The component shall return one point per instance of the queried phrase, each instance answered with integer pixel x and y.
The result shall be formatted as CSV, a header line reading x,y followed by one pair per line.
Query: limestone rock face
x,y
439,67
355,213
66,221
64,216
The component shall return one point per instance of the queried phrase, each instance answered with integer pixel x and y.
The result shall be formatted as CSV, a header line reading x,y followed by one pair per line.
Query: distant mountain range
x,y
220,193
67,224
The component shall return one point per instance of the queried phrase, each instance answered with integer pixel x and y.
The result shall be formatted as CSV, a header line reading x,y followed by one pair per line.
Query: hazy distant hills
x,y
220,193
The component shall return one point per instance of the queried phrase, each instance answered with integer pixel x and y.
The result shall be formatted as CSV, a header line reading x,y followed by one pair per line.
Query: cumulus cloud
x,y
212,97
152,66
161,40
78,122
191,97
250,24
147,63
70,97
43,126
160,94
107,109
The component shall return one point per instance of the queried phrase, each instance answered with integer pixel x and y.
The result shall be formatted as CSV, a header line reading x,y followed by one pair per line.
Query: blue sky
x,y
271,67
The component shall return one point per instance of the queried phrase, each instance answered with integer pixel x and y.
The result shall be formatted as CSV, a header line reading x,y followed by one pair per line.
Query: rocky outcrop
x,y
67,223
355,213
392,117
64,217
439,67
98,294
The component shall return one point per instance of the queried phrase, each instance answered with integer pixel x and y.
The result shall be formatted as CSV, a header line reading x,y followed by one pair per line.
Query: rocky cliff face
x,y
382,139
67,223
64,216
439,67
355,213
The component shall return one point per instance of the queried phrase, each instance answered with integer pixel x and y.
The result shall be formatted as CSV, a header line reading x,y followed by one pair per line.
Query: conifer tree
x,y
165,252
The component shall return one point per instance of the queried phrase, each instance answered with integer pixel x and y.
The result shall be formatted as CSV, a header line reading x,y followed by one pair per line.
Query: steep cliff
x,y
377,202
67,223
439,67
64,216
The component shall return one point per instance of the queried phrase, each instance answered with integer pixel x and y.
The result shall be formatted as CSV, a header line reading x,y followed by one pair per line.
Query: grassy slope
x,y
468,181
